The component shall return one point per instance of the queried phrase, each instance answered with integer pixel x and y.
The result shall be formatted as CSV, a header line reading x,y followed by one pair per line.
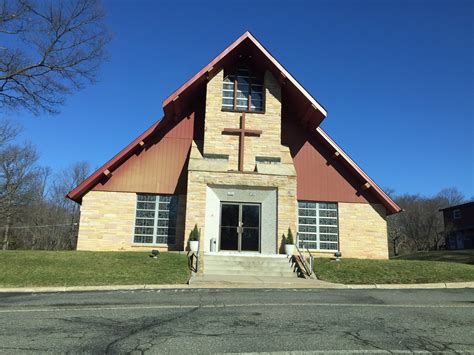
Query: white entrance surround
x,y
266,197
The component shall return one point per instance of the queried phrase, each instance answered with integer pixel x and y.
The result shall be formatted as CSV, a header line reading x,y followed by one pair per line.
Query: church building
x,y
239,153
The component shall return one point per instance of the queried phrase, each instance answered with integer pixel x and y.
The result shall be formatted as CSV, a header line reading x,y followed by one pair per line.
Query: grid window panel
x,y
148,222
308,229
327,229
257,96
256,105
307,212
310,221
309,237
318,225
228,94
151,198
163,214
328,213
143,239
155,219
145,205
228,103
163,206
145,214
310,245
328,221
242,87
303,204
242,92
328,237
327,246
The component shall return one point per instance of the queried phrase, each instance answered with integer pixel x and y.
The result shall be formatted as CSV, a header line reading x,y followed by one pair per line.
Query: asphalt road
x,y
210,321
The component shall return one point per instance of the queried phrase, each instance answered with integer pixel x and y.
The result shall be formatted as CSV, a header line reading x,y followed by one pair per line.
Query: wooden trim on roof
x,y
389,204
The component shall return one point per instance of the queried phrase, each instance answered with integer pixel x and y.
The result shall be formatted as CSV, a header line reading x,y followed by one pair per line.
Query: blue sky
x,y
396,77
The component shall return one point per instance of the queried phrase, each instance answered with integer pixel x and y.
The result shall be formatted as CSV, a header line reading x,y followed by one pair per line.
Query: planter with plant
x,y
289,243
194,239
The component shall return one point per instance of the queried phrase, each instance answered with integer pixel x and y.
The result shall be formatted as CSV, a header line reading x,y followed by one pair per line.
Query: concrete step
x,y
232,266
246,257
250,263
247,261
252,274
254,266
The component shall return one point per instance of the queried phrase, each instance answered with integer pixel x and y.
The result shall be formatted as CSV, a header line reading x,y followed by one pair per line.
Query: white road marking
x,y
138,307
350,351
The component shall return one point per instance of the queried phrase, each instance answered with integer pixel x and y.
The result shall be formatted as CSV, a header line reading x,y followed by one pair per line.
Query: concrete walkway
x,y
241,281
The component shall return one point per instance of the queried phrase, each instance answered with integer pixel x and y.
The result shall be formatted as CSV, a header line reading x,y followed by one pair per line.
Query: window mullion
x,y
235,91
249,103
155,229
318,237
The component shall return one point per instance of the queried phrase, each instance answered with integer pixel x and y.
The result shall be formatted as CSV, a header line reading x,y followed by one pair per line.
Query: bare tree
x,y
34,212
64,182
49,48
420,225
18,176
8,132
450,196
395,234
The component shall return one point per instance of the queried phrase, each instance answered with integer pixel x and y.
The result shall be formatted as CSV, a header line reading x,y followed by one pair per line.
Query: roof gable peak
x,y
247,41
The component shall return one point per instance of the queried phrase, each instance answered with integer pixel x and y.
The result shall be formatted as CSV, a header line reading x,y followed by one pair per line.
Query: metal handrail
x,y
193,261
303,260
311,257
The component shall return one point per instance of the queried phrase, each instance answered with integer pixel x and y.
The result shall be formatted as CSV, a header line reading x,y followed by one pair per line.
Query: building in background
x,y
459,226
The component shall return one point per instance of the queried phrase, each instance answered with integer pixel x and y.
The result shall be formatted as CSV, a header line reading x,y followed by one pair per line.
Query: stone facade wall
x,y
108,218
269,142
203,172
363,231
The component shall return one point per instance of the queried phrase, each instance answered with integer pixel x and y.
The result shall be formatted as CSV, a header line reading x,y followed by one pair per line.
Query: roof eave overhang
x,y
88,184
390,205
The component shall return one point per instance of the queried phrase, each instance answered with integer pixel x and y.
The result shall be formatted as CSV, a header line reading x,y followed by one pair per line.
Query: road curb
x,y
91,288
447,285
414,286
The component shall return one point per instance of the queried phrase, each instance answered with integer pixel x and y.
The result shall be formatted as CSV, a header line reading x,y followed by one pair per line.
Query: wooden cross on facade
x,y
242,132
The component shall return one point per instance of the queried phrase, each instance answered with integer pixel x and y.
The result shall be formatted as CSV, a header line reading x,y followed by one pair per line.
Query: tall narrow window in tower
x,y
242,91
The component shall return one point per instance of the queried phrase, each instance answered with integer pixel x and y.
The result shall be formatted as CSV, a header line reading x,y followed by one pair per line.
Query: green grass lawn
x,y
358,271
83,268
454,256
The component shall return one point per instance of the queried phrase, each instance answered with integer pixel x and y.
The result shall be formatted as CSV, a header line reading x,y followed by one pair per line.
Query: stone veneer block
x,y
363,231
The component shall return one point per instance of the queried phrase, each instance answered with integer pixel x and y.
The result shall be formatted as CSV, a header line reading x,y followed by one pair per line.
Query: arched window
x,y
242,92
